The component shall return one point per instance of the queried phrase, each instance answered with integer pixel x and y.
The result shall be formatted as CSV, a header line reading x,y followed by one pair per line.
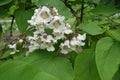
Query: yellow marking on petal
x,y
44,15
58,34
49,44
56,23
53,12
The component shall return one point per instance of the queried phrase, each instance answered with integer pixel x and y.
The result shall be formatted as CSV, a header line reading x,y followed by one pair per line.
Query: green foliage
x,y
21,17
3,2
6,54
85,66
114,34
107,58
39,65
96,1
101,22
62,9
105,10
92,28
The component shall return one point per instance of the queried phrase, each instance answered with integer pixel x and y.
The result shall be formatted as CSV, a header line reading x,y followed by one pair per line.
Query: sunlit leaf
x,y
107,57
92,28
115,34
39,65
85,66
21,17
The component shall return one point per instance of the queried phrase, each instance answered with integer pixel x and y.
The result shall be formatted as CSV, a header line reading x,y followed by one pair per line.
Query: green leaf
x,y
115,34
117,75
105,10
33,1
96,1
12,9
4,10
92,28
39,65
85,67
3,2
107,56
62,9
21,17
6,54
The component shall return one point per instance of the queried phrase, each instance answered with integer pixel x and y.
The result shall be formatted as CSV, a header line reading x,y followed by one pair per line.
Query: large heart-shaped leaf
x,y
107,57
85,67
38,66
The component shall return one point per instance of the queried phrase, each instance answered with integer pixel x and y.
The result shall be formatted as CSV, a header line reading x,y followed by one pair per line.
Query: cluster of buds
x,y
49,28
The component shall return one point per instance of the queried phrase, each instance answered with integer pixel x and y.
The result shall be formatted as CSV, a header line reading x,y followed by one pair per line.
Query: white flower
x,y
59,29
32,22
43,45
41,16
51,48
74,42
67,29
33,47
58,36
43,37
54,11
56,22
64,51
13,52
81,37
66,44
12,46
40,28
50,39
81,43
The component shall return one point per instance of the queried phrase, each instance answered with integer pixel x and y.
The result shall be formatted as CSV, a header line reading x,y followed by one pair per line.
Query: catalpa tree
x,y
60,40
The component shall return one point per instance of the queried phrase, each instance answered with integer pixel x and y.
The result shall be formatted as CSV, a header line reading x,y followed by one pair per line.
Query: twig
x,y
82,9
78,18
71,9
11,26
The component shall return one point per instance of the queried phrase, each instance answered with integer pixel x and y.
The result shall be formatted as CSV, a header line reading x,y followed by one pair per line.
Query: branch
x,y
70,7
82,9
72,10
11,26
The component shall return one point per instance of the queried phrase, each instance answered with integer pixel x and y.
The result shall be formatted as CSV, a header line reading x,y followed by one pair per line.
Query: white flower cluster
x,y
49,28
14,47
71,45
